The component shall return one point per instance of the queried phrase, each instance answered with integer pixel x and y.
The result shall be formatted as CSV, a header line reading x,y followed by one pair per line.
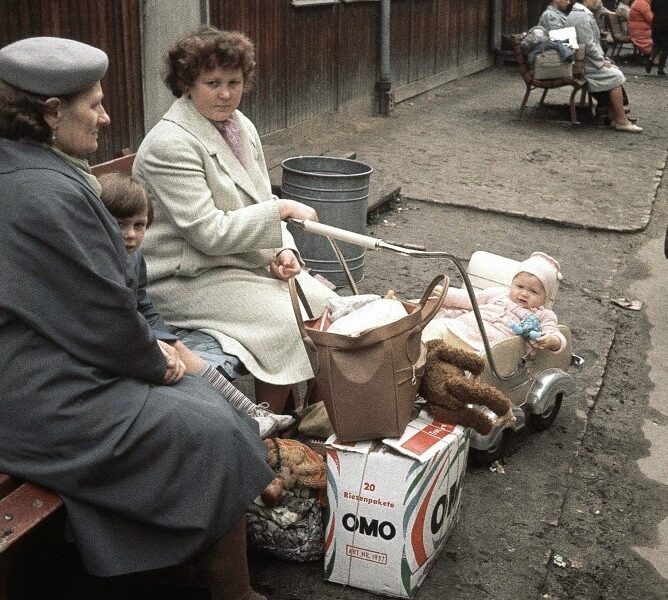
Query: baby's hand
x,y
436,292
547,342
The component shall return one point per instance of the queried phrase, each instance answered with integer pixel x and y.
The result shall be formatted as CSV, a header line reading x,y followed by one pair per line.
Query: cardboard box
x,y
392,506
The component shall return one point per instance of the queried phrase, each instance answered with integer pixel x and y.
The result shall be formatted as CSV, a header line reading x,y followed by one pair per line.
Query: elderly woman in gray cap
x,y
150,474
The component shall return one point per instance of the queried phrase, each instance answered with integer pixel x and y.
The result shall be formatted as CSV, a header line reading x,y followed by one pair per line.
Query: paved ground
x,y
463,144
574,515
580,511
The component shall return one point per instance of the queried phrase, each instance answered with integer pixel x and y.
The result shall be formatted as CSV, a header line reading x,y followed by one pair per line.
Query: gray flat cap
x,y
52,66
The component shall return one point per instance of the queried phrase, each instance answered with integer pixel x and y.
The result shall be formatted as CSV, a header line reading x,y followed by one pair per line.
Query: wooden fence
x,y
317,59
311,59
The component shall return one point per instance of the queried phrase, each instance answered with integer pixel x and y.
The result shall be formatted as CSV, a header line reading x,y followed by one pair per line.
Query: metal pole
x,y
384,83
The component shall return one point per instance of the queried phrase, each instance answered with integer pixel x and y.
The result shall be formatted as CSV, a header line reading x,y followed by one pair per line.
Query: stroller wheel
x,y
544,420
485,458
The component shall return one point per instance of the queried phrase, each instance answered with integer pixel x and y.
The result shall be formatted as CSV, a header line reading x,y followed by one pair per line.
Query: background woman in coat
x,y
218,252
604,78
150,475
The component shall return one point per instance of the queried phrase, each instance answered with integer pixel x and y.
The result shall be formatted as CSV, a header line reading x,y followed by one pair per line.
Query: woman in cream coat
x,y
218,253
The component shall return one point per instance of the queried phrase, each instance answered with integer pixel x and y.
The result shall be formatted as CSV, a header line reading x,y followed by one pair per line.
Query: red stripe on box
x,y
429,435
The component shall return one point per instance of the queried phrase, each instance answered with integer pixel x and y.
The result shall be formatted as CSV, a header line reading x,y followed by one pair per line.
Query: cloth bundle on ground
x,y
454,398
287,520
296,465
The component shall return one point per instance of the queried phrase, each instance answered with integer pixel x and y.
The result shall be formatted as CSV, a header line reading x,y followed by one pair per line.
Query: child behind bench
x,y
129,204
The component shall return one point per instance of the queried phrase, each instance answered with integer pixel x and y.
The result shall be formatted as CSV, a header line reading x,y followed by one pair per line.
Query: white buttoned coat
x,y
216,229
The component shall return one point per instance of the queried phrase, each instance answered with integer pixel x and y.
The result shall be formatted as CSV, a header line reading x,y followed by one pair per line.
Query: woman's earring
x,y
53,136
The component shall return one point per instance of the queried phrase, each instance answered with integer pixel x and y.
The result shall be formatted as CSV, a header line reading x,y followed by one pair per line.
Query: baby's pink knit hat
x,y
546,269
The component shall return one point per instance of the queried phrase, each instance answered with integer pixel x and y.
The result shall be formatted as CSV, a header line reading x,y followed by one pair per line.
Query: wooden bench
x,y
24,507
577,81
122,164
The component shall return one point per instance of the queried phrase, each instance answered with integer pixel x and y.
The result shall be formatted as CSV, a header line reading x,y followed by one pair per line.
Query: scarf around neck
x,y
80,165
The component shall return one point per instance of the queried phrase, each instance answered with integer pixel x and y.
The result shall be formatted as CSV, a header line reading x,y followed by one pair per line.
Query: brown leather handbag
x,y
369,383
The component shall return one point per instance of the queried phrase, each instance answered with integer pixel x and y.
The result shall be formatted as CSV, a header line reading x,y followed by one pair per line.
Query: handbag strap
x,y
425,317
344,266
311,350
431,313
304,301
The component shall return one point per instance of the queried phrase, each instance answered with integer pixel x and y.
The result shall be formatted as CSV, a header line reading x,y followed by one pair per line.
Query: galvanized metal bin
x,y
338,189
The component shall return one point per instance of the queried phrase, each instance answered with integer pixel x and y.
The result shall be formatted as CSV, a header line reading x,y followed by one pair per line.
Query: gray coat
x,y
599,77
215,230
149,474
552,18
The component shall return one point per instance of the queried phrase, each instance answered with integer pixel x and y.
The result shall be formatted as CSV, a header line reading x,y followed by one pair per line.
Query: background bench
x,y
577,81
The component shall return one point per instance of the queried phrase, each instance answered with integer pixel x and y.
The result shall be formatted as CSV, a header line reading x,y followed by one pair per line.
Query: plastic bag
x,y
372,315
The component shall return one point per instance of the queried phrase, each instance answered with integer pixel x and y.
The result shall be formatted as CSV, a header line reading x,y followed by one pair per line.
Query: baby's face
x,y
527,290
133,230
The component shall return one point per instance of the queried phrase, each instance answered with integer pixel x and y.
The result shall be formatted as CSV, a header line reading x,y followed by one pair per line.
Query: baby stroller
x,y
536,384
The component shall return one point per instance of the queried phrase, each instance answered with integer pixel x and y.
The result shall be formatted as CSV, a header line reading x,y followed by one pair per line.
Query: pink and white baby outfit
x,y
497,310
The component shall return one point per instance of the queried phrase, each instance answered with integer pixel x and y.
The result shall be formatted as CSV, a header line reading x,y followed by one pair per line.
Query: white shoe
x,y
628,127
270,422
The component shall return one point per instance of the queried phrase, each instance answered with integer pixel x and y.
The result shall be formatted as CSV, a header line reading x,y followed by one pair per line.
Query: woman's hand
x,y
175,367
607,63
285,265
291,209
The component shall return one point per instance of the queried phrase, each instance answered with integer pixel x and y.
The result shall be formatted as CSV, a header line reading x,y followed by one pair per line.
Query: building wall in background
x,y
312,59
321,58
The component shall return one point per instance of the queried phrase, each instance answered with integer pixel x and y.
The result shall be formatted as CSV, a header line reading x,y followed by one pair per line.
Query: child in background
x,y
535,280
129,204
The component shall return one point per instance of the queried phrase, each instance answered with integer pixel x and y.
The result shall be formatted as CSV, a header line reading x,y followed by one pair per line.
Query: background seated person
x,y
218,253
659,37
554,16
622,12
603,77
640,26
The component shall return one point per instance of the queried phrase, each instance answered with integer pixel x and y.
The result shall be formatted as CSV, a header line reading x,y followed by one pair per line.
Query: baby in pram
x,y
502,310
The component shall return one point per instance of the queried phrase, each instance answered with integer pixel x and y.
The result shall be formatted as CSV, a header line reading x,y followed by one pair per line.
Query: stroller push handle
x,y
371,243
343,235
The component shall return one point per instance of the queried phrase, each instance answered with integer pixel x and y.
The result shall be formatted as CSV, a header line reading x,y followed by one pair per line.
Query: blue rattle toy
x,y
529,328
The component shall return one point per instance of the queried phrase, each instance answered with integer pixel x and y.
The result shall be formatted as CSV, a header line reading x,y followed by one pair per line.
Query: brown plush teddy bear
x,y
449,392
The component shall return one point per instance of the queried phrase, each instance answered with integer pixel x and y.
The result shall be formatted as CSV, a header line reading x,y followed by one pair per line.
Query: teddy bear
x,y
529,328
450,394
296,465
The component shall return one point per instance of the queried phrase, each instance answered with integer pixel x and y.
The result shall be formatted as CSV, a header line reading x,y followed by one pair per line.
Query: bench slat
x,y
22,509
